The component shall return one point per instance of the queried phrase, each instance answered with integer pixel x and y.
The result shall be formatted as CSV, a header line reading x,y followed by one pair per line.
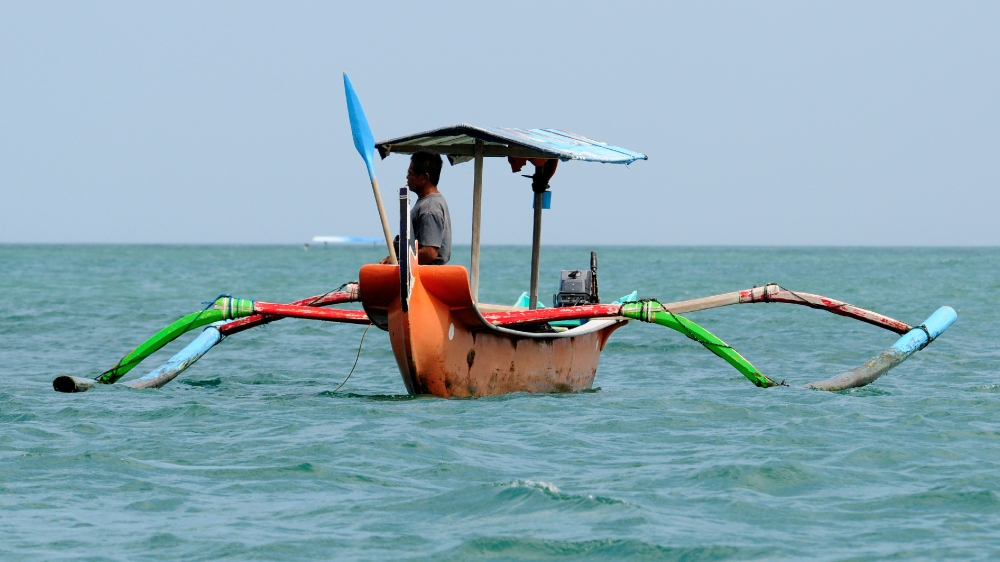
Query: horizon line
x,y
527,245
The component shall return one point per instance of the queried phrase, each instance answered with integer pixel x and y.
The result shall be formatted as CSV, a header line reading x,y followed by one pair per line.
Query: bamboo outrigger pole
x,y
365,143
477,215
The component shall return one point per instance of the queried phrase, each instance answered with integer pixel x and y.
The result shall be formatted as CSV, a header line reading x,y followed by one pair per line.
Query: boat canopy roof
x,y
458,143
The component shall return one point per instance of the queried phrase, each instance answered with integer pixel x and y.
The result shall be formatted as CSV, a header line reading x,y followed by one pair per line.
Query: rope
x,y
648,313
328,293
929,338
355,360
312,302
811,304
765,296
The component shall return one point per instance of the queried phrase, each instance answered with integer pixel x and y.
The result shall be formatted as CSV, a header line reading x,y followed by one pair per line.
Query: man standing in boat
x,y
429,215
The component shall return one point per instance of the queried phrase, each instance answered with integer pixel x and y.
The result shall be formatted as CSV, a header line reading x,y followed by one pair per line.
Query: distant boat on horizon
x,y
345,240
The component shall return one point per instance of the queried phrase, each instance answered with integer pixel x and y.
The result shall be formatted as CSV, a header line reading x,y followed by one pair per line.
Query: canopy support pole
x,y
477,212
536,250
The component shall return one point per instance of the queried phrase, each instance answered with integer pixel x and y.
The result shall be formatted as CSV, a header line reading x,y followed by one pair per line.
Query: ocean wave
x,y
551,490
529,548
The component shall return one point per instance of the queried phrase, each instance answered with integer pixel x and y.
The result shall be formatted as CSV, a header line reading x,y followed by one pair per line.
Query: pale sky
x,y
796,123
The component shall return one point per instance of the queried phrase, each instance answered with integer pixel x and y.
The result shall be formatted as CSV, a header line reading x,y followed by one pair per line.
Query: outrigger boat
x,y
448,344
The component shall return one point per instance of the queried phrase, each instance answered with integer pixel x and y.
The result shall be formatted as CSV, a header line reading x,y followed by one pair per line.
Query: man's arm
x,y
387,260
426,255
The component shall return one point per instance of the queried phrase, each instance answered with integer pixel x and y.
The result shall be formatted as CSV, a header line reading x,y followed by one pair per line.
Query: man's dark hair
x,y
426,162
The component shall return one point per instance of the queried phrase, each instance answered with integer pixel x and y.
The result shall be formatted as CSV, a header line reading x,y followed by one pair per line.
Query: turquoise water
x,y
248,455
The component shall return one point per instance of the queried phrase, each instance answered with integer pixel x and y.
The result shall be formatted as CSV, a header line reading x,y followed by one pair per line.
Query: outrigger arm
x,y
914,338
245,314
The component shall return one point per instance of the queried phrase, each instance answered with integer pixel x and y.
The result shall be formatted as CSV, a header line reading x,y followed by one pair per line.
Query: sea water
x,y
673,455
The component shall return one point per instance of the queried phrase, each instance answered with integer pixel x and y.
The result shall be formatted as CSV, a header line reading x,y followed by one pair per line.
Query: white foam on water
x,y
540,485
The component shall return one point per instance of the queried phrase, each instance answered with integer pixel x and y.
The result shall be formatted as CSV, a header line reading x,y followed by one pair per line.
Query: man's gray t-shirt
x,y
432,225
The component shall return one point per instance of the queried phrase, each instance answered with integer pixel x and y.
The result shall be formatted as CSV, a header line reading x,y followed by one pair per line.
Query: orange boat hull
x,y
444,347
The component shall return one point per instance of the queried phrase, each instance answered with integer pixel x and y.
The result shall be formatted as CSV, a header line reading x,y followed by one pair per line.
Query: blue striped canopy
x,y
458,142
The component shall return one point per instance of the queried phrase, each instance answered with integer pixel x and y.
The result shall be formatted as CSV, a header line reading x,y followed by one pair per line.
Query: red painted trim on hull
x,y
515,317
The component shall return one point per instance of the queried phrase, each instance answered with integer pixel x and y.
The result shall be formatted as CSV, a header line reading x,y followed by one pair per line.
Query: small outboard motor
x,y
578,286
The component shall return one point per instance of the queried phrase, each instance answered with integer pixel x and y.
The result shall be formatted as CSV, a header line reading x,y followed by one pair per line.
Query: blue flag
x,y
363,139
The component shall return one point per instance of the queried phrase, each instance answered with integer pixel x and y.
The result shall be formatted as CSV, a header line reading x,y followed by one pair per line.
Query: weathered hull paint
x,y
444,347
